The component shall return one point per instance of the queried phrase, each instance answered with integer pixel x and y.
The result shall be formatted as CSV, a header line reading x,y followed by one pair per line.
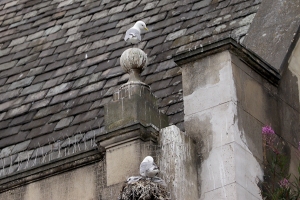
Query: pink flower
x,y
284,183
267,130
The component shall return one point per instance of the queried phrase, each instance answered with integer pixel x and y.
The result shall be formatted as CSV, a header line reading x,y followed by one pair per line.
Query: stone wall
x,y
226,104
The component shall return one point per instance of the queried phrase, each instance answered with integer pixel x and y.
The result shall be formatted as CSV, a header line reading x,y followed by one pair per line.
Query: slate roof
x,y
59,63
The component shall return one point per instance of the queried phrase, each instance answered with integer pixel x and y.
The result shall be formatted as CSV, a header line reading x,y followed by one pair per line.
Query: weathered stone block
x,y
133,104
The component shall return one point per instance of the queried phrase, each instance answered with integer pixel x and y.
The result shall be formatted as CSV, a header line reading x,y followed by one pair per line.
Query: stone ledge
x,y
250,58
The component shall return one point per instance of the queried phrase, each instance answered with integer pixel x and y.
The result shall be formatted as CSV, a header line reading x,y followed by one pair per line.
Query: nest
x,y
144,190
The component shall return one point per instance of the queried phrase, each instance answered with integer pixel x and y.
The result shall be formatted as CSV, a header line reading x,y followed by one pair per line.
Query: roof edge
x,y
254,61
42,171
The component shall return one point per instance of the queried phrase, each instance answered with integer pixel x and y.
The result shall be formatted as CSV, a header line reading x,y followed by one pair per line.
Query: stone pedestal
x,y
132,122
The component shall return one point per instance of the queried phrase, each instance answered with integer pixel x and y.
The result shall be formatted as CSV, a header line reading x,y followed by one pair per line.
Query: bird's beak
x,y
146,28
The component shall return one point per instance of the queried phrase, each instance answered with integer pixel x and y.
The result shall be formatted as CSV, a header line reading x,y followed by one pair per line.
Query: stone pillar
x,y
178,163
230,159
132,121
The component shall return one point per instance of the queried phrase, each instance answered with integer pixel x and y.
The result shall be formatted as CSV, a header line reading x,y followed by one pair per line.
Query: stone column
x,y
230,159
132,121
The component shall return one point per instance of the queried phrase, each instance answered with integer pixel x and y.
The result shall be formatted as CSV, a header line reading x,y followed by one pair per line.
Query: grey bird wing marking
x,y
133,32
144,167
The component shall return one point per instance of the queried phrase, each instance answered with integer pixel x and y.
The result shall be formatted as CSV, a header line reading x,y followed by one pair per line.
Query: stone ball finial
x,y
133,61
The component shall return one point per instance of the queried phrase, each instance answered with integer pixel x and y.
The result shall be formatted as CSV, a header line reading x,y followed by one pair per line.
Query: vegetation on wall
x,y
278,183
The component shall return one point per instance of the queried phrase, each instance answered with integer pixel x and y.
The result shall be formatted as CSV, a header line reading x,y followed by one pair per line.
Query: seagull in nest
x,y
148,168
133,35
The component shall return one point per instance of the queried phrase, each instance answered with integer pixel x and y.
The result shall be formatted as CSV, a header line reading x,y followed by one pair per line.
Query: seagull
x,y
133,35
148,168
133,179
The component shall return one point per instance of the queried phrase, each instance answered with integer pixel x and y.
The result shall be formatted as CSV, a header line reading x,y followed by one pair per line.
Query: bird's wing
x,y
132,32
144,167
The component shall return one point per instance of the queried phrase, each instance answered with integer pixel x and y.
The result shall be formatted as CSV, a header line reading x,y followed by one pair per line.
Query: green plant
x,y
278,183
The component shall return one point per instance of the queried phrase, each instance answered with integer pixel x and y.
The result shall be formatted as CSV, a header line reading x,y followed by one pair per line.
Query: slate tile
x,y
47,128
4,123
7,144
116,71
76,74
174,119
154,77
16,77
56,35
55,65
95,77
20,147
17,41
47,52
92,114
39,104
111,82
19,47
94,60
64,97
111,91
65,70
79,109
64,123
156,41
91,88
135,10
50,26
48,59
35,71
17,111
66,54
59,89
32,88
160,84
9,131
21,54
60,115
49,110
42,77
35,96
79,83
90,125
22,83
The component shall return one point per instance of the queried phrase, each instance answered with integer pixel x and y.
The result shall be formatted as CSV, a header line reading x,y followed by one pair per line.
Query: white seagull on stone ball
x,y
133,35
148,168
